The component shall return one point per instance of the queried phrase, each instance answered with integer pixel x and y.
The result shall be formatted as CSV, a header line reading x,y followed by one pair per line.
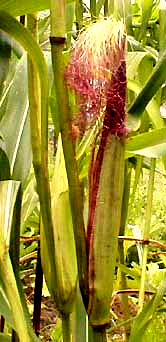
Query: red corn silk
x,y
98,77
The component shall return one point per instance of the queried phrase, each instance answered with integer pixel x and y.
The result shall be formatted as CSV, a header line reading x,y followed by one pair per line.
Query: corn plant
x,y
102,129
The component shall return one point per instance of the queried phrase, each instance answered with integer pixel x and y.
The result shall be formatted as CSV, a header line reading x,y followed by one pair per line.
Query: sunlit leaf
x,y
30,201
8,193
5,310
14,125
146,315
133,61
20,7
152,107
151,144
154,82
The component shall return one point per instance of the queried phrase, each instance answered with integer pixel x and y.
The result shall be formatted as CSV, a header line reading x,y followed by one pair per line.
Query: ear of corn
x,y
66,276
103,240
97,74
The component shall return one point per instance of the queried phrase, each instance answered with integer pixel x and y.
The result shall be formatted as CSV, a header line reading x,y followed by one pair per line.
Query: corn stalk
x,y
57,40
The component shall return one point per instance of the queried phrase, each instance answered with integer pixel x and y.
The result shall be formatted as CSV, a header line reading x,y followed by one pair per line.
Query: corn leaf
x,y
5,309
14,126
151,144
8,193
145,317
20,7
155,81
152,107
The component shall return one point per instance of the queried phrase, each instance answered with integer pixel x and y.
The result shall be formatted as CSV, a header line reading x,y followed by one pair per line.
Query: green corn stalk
x,y
57,40
61,279
39,124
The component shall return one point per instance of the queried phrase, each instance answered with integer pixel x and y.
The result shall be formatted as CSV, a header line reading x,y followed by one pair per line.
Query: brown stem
x,y
29,239
28,256
149,242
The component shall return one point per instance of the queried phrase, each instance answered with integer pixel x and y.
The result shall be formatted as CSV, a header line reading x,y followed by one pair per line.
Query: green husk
x,y
64,288
103,243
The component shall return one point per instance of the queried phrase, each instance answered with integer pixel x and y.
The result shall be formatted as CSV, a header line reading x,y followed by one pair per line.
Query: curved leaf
x,y
152,107
146,315
20,7
5,309
133,61
155,81
151,144
8,193
14,125
21,34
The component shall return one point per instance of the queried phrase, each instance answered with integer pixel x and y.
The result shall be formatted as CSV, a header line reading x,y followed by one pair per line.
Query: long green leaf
x,y
18,32
144,318
152,107
154,82
14,125
5,309
8,193
20,7
151,144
